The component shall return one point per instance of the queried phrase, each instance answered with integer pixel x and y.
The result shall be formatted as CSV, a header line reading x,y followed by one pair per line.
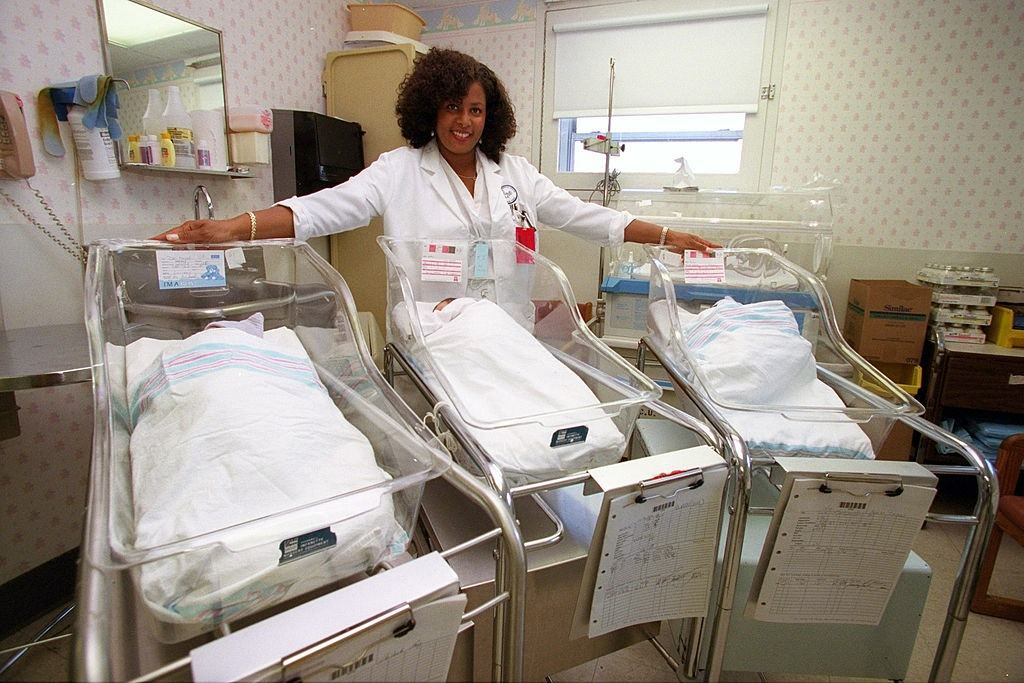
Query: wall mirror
x,y
153,49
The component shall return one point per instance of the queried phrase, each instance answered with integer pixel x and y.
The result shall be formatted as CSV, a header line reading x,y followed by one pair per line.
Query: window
x,y
687,83
711,143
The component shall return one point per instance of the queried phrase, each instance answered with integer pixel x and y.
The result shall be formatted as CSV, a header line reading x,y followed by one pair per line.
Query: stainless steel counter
x,y
33,357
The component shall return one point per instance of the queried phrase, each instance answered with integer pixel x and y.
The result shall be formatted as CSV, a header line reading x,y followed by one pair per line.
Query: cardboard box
x,y
886,320
898,444
390,17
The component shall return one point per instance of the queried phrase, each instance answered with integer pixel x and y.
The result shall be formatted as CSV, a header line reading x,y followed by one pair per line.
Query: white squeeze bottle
x,y
179,124
153,120
94,146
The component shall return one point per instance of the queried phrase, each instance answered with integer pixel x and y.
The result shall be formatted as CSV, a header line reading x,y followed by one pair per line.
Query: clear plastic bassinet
x,y
535,294
759,276
274,511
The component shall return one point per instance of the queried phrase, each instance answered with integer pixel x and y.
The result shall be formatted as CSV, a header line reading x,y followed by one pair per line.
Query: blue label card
x,y
190,269
569,436
300,546
480,260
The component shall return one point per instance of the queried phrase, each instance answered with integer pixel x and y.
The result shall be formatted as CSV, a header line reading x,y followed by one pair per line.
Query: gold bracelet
x,y
664,234
252,225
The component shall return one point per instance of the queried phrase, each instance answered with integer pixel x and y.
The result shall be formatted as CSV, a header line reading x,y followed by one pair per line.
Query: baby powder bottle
x,y
94,146
153,120
179,127
167,152
133,149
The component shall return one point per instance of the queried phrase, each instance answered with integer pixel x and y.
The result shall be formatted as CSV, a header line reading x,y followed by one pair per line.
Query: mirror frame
x,y
108,67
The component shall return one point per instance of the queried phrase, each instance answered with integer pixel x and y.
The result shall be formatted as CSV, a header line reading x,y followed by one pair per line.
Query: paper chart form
x,y
424,654
837,556
658,555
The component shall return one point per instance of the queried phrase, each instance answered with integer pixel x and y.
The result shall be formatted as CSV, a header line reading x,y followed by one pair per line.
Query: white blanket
x,y
500,371
228,428
753,355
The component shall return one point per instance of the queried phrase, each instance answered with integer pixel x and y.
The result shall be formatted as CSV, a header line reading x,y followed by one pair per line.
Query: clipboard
x,y
642,552
399,625
836,547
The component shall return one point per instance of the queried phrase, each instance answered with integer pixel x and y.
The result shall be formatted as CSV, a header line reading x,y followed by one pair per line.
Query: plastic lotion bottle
x,y
167,151
153,120
94,146
203,158
179,126
153,144
133,149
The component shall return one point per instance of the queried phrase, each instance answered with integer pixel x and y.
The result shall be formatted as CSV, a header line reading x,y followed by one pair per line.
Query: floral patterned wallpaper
x,y
917,107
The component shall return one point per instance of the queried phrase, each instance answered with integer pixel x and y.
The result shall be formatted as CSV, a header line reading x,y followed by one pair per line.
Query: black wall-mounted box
x,y
312,151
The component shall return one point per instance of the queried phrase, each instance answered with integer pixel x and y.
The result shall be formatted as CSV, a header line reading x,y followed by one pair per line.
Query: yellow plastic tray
x,y
907,377
1001,331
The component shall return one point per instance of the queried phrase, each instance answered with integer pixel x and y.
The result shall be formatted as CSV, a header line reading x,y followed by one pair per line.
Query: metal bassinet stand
x,y
556,557
111,643
113,640
707,650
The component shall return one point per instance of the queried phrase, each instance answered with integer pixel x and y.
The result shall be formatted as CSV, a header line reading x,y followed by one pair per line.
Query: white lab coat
x,y
410,190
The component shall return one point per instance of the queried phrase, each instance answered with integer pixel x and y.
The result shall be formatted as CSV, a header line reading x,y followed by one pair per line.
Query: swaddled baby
x,y
753,355
232,425
496,371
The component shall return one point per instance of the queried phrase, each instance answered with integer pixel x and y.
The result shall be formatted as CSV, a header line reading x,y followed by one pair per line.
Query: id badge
x,y
481,262
441,262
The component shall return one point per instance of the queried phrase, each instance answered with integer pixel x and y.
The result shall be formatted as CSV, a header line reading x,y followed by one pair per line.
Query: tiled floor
x,y
992,649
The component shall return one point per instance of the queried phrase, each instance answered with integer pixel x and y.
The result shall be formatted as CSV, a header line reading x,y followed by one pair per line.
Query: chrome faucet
x,y
201,189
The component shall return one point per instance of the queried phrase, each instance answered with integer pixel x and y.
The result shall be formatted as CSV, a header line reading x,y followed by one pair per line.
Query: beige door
x,y
362,85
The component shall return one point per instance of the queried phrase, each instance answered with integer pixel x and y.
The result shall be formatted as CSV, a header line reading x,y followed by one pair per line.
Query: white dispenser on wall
x,y
94,146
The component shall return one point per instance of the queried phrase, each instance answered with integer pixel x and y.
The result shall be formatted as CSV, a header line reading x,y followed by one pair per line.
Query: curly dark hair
x,y
443,76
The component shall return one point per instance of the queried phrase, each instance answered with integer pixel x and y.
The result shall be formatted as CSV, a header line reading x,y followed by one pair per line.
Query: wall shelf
x,y
237,172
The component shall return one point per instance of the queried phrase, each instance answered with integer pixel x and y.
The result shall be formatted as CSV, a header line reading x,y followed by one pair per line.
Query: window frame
x,y
759,127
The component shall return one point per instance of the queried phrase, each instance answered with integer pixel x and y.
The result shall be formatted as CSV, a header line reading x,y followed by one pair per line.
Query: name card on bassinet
x,y
190,269
703,268
442,262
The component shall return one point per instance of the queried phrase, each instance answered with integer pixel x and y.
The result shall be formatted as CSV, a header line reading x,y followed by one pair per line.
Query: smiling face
x,y
460,125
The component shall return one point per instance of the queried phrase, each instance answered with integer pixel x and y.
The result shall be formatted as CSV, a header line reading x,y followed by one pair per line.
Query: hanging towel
x,y
95,92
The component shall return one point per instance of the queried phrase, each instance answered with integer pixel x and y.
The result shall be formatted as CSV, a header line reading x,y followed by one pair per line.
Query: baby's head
x,y
442,303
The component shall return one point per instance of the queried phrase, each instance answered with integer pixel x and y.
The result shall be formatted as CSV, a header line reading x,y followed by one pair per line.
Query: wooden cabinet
x,y
971,377
362,85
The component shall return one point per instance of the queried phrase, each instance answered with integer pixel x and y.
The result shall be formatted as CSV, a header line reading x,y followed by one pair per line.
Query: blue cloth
x,y
95,92
985,435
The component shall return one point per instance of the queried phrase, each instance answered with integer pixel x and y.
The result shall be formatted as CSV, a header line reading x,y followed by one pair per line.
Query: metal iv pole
x,y
606,193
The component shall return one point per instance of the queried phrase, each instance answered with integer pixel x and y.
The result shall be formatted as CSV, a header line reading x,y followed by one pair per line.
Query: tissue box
x,y
249,148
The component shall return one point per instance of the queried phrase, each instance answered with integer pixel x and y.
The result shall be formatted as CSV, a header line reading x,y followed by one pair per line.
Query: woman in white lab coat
x,y
454,180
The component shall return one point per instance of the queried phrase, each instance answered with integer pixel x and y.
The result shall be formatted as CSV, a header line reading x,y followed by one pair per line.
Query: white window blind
x,y
699,61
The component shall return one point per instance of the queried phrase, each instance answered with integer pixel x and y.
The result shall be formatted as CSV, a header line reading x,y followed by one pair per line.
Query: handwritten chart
x,y
837,556
658,555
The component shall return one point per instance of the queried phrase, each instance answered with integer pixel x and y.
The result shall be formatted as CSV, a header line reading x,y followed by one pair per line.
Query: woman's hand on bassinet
x,y
205,231
642,232
680,241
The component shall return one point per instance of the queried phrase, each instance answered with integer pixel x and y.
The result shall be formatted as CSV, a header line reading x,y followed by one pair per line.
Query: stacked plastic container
x,y
962,300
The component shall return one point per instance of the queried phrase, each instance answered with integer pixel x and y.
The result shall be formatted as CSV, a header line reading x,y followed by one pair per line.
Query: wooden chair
x,y
1009,520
